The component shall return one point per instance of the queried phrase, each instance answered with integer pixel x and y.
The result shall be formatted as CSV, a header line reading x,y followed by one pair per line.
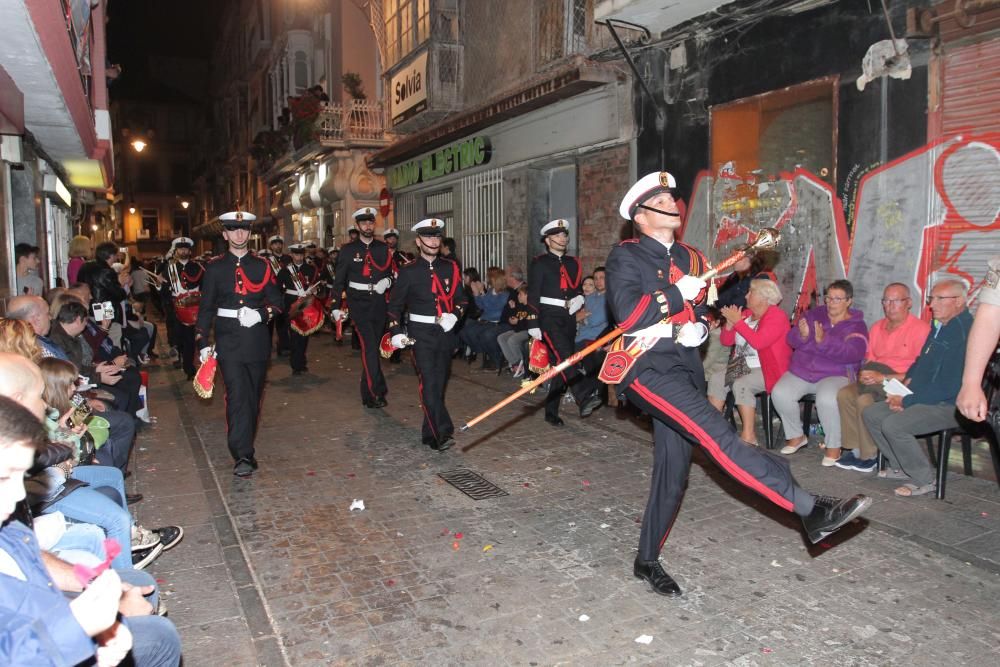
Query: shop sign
x,y
408,90
448,160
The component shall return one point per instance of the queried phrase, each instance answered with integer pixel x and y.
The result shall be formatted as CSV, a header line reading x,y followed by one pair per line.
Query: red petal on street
x,y
454,545
311,473
351,474
459,536
445,531
161,581
526,485
390,582
766,650
586,482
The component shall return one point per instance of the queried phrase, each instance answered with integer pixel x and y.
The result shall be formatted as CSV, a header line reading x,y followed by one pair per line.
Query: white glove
x,y
535,333
248,317
576,303
398,341
337,314
205,354
692,334
382,285
690,286
448,321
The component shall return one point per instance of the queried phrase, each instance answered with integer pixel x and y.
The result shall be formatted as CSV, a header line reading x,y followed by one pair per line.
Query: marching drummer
x,y
364,269
295,280
430,289
276,250
240,295
181,291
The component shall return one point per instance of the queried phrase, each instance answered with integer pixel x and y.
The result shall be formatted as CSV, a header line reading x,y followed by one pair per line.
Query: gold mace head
x,y
767,237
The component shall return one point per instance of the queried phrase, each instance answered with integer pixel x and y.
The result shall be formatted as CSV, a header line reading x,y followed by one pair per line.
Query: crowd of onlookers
x,y
72,397
878,388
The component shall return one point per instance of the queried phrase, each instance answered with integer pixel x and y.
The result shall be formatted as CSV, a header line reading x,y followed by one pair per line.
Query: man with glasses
x,y
933,382
893,345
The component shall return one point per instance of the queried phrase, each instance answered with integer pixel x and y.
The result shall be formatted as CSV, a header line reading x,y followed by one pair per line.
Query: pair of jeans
x,y
87,505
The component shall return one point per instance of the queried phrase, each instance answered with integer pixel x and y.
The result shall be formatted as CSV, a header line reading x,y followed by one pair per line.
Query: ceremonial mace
x,y
767,237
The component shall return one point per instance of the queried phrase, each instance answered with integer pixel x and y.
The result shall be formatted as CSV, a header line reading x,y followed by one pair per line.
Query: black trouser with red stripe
x,y
682,416
559,333
368,318
432,359
244,382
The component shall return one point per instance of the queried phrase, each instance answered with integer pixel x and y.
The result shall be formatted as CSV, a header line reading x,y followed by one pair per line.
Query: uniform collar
x,y
656,247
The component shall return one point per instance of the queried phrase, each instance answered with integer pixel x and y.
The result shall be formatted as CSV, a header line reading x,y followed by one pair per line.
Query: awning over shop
x,y
577,76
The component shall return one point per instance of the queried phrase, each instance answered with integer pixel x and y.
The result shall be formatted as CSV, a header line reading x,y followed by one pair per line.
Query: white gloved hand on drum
x,y
447,321
692,334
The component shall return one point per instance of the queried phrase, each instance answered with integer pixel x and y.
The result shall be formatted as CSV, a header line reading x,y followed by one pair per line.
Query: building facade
x,y
504,117
55,131
296,111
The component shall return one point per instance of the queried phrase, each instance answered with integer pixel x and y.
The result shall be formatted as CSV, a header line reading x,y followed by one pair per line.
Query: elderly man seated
x,y
893,345
933,381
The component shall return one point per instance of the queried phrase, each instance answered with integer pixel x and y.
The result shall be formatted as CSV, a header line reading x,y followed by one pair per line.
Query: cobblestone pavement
x,y
278,570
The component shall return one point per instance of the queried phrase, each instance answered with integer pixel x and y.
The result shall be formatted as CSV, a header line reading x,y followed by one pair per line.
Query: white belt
x,y
548,301
364,287
228,312
296,292
658,330
423,319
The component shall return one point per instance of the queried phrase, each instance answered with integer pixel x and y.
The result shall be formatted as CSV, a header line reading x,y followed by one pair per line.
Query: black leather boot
x,y
658,579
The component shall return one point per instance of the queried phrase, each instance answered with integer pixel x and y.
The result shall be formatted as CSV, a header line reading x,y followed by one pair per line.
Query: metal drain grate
x,y
472,484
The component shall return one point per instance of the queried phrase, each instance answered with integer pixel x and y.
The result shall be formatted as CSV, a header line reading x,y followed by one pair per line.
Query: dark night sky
x,y
140,29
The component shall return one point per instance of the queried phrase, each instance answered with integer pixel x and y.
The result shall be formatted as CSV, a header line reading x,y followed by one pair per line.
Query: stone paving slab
x,y
395,584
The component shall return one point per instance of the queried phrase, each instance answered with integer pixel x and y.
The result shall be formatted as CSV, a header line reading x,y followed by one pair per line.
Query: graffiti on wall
x,y
929,215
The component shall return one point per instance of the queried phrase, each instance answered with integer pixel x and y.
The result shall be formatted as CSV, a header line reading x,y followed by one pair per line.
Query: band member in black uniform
x,y
430,289
276,249
295,280
364,269
239,295
399,258
187,276
555,293
656,296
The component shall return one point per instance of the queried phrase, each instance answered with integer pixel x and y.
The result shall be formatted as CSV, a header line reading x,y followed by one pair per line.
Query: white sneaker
x,y
791,449
143,538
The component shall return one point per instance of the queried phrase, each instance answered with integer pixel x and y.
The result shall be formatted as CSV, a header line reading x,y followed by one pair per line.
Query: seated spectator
x,y
934,380
893,344
734,289
592,319
828,344
104,282
758,335
42,627
511,341
18,337
26,260
480,335
34,311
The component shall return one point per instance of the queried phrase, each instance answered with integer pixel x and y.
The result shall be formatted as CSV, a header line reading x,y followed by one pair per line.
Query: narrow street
x,y
278,570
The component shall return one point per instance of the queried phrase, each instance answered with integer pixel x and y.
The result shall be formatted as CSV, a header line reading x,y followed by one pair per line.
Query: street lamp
x,y
185,203
131,208
139,145
93,228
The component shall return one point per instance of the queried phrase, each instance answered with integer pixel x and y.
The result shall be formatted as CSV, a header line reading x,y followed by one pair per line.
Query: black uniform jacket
x,y
418,292
307,275
553,277
234,282
191,274
360,263
641,273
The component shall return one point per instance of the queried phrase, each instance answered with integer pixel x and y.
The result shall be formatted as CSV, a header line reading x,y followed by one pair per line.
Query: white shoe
x,y
143,538
791,449
828,462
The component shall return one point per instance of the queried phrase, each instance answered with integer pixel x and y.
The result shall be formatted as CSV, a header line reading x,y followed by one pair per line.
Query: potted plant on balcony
x,y
355,87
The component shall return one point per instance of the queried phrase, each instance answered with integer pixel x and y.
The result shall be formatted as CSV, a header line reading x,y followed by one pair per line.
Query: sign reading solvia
x,y
453,157
408,89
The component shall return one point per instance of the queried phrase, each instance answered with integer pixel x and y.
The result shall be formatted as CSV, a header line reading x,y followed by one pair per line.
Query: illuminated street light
x,y
139,145
185,203
93,228
131,208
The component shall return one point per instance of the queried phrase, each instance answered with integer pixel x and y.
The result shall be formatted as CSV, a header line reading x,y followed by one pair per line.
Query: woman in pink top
x,y
759,335
81,248
893,345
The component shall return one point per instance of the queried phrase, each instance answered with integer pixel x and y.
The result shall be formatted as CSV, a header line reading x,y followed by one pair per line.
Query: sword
x,y
766,238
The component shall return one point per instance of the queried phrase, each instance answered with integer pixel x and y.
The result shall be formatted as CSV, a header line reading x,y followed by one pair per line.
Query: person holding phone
x,y
239,296
104,283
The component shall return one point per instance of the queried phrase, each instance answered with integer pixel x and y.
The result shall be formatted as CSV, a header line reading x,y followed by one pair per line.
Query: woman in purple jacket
x,y
828,345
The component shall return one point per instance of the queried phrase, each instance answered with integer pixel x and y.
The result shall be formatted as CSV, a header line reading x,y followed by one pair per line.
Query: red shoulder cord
x,y
370,262
565,282
444,301
244,285
186,282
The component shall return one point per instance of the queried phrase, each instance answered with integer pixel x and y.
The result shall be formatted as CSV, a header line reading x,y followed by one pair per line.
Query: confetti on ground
x,y
586,482
983,514
604,525
454,545
766,650
390,582
584,618
398,534
548,468
459,536
351,475
357,505
311,473
607,510
488,547
526,485
445,531
643,639
775,563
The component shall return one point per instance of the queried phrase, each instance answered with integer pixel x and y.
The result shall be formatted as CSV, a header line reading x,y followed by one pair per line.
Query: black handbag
x,y
737,365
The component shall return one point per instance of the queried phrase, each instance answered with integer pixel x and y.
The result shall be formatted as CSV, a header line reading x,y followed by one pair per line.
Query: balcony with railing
x,y
355,122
